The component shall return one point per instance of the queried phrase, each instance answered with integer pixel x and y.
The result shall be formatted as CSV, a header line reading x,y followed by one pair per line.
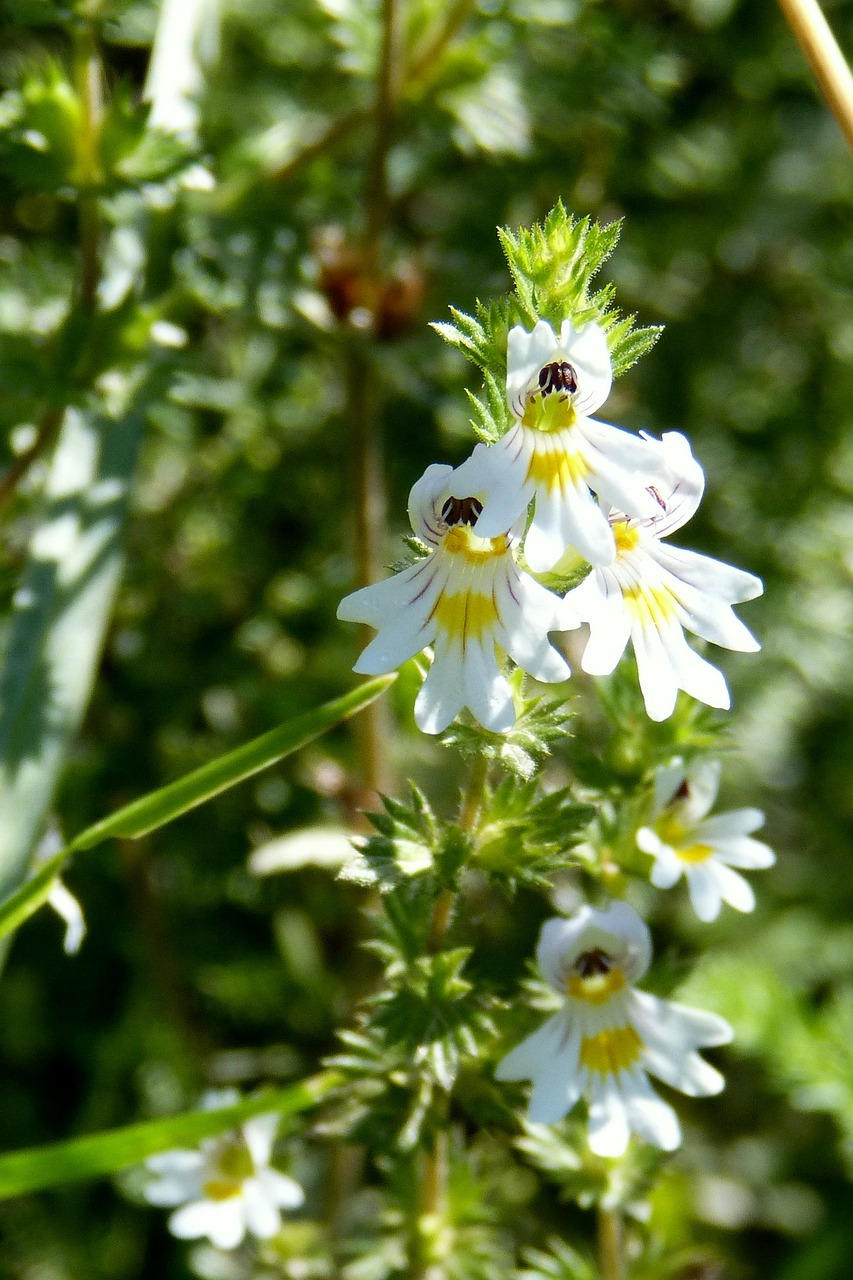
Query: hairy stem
x,y
812,32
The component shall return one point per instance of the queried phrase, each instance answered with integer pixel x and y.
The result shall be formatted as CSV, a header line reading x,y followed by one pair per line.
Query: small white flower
x,y
187,39
226,1187
556,453
467,598
652,591
607,1036
684,841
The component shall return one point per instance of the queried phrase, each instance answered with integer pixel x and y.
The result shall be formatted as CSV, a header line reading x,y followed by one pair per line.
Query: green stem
x,y
610,1255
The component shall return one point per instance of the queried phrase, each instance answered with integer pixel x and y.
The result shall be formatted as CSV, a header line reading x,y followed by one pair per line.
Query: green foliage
x,y
541,725
527,837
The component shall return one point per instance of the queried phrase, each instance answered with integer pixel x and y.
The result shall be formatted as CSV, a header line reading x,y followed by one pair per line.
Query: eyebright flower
x,y
683,841
607,1036
556,453
226,1187
467,598
652,591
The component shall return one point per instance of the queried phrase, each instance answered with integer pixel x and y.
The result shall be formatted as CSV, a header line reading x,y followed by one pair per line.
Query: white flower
x,y
226,1187
556,453
683,841
467,598
652,591
186,40
607,1036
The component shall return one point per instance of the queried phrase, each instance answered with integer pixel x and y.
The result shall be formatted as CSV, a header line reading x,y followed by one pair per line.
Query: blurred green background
x,y
696,121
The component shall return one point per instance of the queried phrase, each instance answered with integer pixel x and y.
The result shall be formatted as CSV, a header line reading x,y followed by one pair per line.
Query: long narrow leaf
x,y
159,807
99,1154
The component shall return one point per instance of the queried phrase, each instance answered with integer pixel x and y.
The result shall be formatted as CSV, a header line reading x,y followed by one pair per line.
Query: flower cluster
x,y
609,495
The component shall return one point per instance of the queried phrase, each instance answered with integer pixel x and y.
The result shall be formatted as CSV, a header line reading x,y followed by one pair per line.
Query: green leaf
x,y
99,1154
159,807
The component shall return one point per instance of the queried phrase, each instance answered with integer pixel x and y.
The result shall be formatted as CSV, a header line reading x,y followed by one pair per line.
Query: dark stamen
x,y
683,791
461,511
658,499
593,962
559,376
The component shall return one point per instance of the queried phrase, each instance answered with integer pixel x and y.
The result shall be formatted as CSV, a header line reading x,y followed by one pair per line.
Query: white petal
x,y
587,352
608,1119
703,783
172,1189
557,1083
567,518
221,1221
649,1116
67,907
668,780
179,1161
710,577
487,691
666,871
262,1216
259,1132
497,475
671,1033
750,855
695,675
679,482
706,893
617,930
426,497
526,354
609,621
731,825
441,695
735,890
281,1190
525,1060
658,680
229,1225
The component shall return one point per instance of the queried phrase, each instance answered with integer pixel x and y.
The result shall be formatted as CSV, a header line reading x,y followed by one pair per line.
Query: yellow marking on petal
x,y
695,853
557,470
611,1051
548,413
650,604
221,1189
625,536
597,988
464,615
460,540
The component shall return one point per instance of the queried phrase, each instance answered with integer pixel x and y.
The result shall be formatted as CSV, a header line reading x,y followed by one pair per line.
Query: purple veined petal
x,y
587,352
731,826
705,889
261,1214
743,852
710,577
426,497
404,634
736,891
496,475
441,696
649,1116
603,606
609,1131
377,603
527,612
526,354
622,470
680,486
486,690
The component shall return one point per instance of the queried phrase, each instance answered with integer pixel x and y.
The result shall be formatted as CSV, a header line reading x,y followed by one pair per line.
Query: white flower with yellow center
x,y
607,1036
555,453
684,841
652,591
226,1187
469,599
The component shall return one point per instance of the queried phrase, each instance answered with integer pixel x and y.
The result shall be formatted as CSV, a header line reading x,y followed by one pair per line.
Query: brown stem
x,y
812,32
48,427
